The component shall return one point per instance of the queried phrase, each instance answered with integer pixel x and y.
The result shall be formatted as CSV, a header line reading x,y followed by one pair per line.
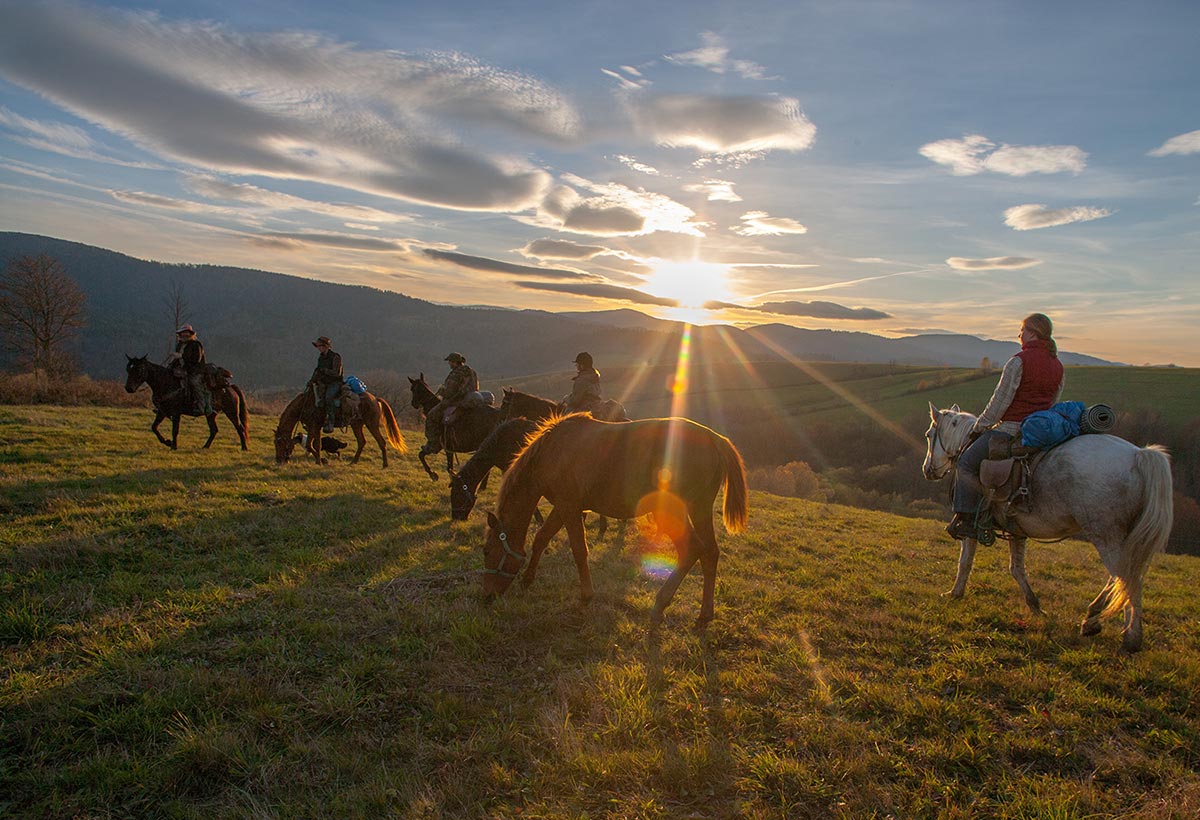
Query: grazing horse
x,y
526,405
671,468
499,450
1112,493
375,413
169,401
464,436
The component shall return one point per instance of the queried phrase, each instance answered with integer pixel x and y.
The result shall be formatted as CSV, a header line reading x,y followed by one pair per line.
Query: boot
x,y
961,526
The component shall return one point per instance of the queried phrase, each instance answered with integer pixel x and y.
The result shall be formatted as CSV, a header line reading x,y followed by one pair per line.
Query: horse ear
x,y
933,411
954,409
411,380
493,521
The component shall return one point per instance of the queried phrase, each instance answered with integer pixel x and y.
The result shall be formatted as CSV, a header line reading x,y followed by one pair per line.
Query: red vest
x,y
1041,374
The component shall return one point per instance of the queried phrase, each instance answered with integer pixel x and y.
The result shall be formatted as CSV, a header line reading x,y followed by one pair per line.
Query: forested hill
x,y
259,325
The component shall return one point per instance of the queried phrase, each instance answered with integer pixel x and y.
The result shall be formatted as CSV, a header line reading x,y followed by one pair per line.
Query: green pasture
x,y
202,634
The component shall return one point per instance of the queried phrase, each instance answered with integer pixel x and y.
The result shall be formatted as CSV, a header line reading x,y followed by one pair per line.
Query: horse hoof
x,y
1089,628
1131,646
950,593
656,619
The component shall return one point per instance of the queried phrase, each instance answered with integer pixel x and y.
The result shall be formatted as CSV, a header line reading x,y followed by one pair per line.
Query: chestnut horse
x,y
517,404
167,396
1113,493
374,412
672,468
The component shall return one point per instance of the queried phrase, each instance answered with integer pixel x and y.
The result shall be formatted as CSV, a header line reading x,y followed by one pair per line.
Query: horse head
x,y
945,440
501,561
135,372
462,498
284,444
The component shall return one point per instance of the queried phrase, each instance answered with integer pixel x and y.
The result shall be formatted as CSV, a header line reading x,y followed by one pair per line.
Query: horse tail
x,y
1150,530
243,410
393,429
736,498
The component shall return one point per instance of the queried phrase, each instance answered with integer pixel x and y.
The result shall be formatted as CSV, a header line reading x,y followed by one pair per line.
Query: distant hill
x,y
260,324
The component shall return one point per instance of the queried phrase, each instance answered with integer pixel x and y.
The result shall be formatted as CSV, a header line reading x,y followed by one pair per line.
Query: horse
x,y
169,401
672,468
526,405
469,430
1113,493
374,413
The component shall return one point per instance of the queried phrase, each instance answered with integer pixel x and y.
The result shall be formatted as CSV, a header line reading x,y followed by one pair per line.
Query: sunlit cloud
x,y
482,263
160,201
713,56
290,104
760,223
59,138
723,125
975,154
600,290
1188,143
714,190
992,263
641,167
611,209
816,310
220,189
561,249
336,240
1032,217
625,82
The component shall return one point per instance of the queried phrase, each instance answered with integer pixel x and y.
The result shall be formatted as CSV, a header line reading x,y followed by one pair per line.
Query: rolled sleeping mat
x,y
1099,418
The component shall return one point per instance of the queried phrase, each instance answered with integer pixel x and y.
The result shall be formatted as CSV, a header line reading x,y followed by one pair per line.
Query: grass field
x,y
203,634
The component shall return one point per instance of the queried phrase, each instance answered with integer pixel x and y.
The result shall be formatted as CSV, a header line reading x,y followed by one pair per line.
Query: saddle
x,y
216,377
476,399
1006,472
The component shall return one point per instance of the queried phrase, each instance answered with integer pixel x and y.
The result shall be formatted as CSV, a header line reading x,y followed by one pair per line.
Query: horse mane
x,y
523,465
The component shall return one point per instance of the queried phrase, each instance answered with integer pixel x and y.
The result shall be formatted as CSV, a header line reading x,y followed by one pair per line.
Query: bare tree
x,y
41,309
176,305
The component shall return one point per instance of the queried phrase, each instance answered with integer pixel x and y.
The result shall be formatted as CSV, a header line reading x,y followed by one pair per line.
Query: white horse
x,y
1102,488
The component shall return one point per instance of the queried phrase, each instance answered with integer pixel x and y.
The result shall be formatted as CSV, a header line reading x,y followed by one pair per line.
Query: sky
x,y
887,167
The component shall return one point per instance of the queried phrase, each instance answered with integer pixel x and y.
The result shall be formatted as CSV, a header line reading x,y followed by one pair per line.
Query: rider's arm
x,y
1010,380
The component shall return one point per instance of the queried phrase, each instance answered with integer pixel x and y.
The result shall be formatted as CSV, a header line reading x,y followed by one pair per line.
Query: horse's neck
x,y
474,470
429,399
516,511
159,378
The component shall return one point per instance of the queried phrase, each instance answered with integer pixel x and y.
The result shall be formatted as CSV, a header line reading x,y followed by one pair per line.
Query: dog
x,y
329,444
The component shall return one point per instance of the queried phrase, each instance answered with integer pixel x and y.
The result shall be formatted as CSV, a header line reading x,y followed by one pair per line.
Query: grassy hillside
x,y
202,634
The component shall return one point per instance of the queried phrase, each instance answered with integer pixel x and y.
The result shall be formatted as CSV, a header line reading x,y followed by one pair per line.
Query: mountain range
x,y
260,325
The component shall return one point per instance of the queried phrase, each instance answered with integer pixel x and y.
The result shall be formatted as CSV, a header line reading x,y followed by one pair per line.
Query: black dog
x,y
329,444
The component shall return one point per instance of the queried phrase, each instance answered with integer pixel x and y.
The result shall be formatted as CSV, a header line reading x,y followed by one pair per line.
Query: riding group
x,y
584,454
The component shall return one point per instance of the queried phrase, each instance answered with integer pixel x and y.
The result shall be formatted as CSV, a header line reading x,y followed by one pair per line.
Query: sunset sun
x,y
691,283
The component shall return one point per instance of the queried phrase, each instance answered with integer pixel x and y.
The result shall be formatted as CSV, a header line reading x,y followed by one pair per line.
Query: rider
x,y
187,363
327,379
1032,380
585,390
460,382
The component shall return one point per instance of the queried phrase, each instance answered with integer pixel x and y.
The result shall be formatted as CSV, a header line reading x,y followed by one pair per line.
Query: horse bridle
x,y
509,552
953,459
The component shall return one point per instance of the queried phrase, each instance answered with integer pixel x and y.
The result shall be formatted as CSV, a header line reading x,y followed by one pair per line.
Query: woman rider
x,y
1031,381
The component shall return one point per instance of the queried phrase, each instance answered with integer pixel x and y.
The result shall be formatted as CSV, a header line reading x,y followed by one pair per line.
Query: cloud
x,y
561,249
1031,217
760,223
816,310
640,167
159,201
611,209
59,138
599,290
496,266
290,104
715,190
713,56
214,188
974,154
992,263
333,240
627,83
723,125
1188,143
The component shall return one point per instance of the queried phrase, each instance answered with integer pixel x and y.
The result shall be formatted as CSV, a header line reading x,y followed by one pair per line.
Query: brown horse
x,y
518,404
671,468
373,412
168,399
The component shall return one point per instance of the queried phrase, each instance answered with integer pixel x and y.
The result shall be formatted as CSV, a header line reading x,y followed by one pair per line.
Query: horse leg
x,y
705,539
362,442
314,442
966,560
231,412
421,454
600,533
175,432
1131,638
1016,567
687,560
579,551
158,419
541,540
1091,622
212,429
379,439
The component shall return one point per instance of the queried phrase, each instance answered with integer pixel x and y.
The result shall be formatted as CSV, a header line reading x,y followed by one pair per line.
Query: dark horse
x,y
464,436
373,412
169,401
671,468
526,405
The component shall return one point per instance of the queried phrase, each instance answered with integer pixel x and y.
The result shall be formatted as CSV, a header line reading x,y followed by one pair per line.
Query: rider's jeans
x,y
968,492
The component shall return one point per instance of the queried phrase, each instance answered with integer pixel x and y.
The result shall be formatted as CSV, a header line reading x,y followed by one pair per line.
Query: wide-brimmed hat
x,y
322,340
456,357
186,329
